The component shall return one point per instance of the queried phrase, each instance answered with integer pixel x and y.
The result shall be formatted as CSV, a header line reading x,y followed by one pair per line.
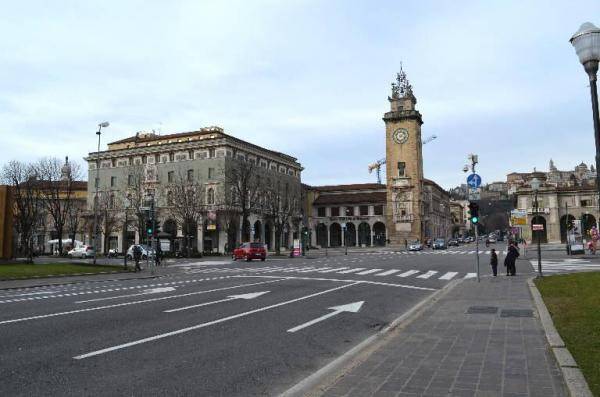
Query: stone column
x,y
137,237
372,235
262,231
355,235
328,236
343,237
200,242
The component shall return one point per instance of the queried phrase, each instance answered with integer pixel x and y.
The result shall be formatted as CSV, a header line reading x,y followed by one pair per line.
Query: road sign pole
x,y
477,250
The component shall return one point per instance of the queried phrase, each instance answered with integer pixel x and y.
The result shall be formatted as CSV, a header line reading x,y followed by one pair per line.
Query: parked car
x,y
453,243
439,244
113,253
415,246
147,252
249,251
83,251
491,240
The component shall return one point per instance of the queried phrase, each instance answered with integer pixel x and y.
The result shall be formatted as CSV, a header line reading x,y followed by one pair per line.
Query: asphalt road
x,y
212,328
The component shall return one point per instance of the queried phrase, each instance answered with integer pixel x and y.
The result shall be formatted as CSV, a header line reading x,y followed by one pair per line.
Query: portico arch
x,y
322,235
564,220
364,234
542,235
379,234
335,235
350,238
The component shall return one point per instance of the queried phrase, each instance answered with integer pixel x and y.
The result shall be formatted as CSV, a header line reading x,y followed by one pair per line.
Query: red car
x,y
249,251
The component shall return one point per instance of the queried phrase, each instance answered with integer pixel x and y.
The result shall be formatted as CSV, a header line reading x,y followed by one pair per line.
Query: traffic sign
x,y
474,180
537,227
474,194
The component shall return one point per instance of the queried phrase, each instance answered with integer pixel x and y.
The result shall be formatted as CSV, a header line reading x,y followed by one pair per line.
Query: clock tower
x,y
404,164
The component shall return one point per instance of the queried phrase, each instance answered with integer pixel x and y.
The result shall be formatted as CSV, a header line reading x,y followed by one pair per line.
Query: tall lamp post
x,y
104,124
535,186
587,46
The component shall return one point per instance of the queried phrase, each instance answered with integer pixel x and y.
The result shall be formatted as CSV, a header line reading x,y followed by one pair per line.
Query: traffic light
x,y
474,213
149,229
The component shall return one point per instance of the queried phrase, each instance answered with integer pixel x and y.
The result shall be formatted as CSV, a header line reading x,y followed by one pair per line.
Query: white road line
x,y
369,271
388,272
90,309
428,274
343,280
167,289
470,275
203,325
334,270
356,269
318,269
408,273
448,276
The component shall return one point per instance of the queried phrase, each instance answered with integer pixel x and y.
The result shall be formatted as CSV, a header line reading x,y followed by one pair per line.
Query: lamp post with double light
x,y
104,124
586,42
535,186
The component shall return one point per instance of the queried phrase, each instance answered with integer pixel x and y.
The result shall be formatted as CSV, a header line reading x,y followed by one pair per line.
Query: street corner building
x,y
210,191
407,207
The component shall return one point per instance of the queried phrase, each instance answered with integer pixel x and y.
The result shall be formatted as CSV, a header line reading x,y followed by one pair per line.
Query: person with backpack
x,y
137,255
511,259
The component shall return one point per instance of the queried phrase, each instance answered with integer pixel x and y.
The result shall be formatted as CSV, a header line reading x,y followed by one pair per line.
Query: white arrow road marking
x,y
90,309
350,307
203,325
146,292
229,298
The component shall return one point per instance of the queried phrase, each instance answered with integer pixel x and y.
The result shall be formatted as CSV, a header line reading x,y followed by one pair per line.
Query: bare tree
x,y
281,206
188,202
74,220
136,195
109,215
56,187
228,213
243,178
23,180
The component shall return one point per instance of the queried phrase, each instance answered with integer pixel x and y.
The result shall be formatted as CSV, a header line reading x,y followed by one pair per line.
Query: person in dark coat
x,y
494,262
137,255
511,259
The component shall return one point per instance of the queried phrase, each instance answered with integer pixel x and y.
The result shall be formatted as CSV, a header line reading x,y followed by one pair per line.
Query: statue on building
x,y
402,87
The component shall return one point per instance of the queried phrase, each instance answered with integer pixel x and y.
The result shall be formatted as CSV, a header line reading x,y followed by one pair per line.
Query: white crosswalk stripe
x,y
470,275
369,271
428,274
408,273
388,272
356,269
448,276
334,270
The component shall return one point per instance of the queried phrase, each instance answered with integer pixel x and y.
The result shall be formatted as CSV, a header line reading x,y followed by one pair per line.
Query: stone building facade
x,y
152,165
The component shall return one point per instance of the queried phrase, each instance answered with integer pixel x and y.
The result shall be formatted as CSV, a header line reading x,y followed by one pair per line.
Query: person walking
x,y
494,262
158,254
511,259
137,255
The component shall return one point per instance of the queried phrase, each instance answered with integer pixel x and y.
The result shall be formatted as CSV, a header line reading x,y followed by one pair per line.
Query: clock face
x,y
400,135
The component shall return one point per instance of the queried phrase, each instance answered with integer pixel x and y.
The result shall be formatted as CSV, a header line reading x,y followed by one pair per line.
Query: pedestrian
x,y
511,259
158,258
494,262
137,255
406,244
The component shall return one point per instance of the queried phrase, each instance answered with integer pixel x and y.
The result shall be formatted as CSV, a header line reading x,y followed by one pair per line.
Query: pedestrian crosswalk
x,y
358,271
437,252
565,265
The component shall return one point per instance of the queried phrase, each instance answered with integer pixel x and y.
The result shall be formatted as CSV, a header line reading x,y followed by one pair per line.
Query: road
x,y
212,328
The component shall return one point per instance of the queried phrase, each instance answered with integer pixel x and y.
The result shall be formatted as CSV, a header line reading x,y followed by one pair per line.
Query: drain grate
x,y
516,313
482,310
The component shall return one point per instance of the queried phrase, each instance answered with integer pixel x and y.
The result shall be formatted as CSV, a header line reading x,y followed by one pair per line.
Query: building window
x,y
321,211
378,210
169,198
97,182
211,153
335,211
111,201
210,196
401,168
170,176
364,210
113,181
211,173
171,157
130,180
349,211
190,175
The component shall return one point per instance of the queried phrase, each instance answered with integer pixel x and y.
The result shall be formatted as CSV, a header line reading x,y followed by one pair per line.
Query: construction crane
x,y
377,165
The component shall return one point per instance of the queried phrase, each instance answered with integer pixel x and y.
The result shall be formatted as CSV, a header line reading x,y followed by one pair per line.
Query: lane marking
x,y
356,269
448,276
428,274
152,291
345,281
408,273
350,307
203,325
229,298
388,272
334,270
90,309
369,271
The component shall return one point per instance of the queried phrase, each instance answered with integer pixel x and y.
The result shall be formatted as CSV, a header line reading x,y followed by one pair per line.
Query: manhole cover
x,y
482,310
516,313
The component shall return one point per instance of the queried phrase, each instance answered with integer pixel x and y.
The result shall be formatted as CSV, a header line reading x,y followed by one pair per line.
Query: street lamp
x,y
587,46
126,204
535,186
104,124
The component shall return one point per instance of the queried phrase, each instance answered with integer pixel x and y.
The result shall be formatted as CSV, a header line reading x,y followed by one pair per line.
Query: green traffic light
x,y
475,219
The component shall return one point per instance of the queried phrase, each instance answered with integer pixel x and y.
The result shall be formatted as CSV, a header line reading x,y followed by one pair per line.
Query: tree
x,y
74,220
136,195
28,210
56,189
280,206
188,202
228,214
109,215
243,178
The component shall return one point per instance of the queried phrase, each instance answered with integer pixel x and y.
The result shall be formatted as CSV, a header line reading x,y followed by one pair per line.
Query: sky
x,y
307,78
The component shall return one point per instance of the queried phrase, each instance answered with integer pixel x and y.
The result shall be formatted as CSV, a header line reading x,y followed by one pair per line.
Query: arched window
x,y
210,196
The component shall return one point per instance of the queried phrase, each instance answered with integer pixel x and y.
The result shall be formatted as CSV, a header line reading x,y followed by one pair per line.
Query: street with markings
x,y
213,328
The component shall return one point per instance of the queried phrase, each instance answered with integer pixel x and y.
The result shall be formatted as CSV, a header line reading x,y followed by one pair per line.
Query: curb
x,y
316,383
573,376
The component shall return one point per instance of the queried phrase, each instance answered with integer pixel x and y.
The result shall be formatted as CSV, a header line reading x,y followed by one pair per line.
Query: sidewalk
x,y
477,340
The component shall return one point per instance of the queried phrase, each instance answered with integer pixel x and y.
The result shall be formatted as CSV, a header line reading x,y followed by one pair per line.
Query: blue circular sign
x,y
474,181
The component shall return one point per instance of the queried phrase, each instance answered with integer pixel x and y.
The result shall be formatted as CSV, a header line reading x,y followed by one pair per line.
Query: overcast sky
x,y
308,78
